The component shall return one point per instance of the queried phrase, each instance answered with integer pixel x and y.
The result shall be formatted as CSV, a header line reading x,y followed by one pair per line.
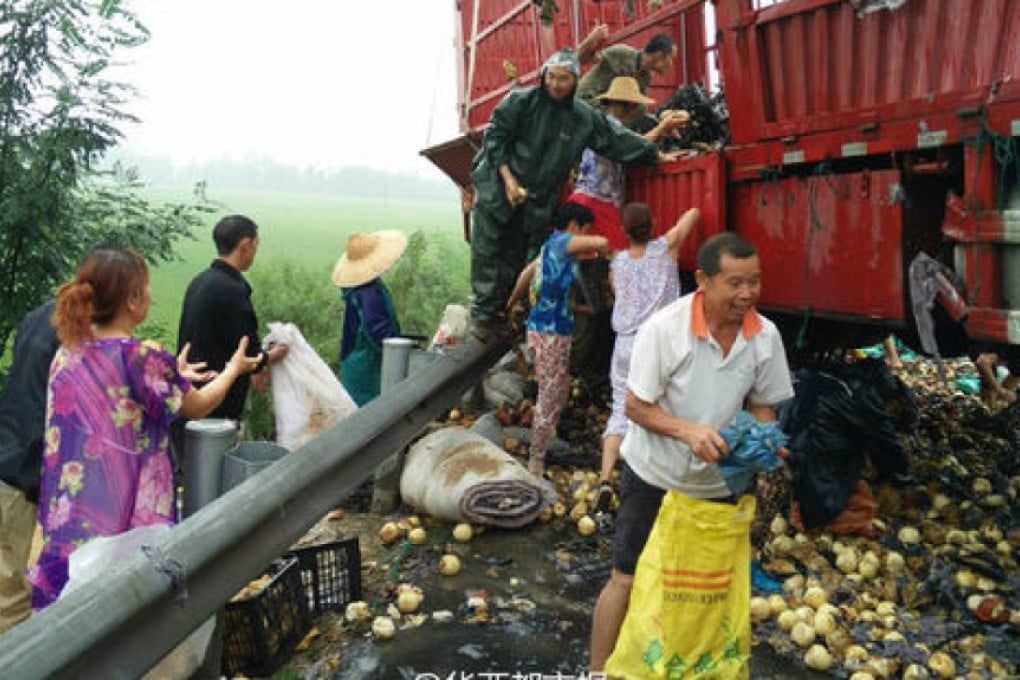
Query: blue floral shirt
x,y
551,311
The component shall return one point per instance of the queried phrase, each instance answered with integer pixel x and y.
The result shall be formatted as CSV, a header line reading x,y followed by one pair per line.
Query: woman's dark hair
x,y
727,243
231,230
637,222
105,280
572,212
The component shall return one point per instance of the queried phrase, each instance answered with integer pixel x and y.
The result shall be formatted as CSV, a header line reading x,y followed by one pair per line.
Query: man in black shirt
x,y
22,424
217,310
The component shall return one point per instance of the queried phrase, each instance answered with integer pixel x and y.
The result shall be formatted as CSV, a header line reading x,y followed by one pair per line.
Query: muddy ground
x,y
521,606
539,585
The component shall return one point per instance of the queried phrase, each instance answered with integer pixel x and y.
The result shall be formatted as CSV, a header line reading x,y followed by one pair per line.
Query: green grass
x,y
310,230
302,236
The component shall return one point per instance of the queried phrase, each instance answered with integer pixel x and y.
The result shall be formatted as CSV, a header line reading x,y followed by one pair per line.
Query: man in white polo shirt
x,y
696,364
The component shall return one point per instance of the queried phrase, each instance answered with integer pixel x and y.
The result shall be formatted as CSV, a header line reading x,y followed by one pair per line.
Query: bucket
x,y
247,458
205,444
396,352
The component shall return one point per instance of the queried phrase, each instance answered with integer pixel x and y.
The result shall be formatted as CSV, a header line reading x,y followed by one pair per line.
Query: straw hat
x,y
624,89
368,256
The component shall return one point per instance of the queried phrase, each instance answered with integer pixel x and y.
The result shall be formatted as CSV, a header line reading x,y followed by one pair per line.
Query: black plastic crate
x,y
330,573
259,633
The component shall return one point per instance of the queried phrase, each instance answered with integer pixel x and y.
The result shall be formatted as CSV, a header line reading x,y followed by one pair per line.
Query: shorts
x,y
639,506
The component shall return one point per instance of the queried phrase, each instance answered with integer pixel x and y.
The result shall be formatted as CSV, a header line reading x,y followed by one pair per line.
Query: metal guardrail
x,y
132,616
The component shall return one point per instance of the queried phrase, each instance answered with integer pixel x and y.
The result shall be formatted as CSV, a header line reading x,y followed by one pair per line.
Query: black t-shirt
x,y
217,311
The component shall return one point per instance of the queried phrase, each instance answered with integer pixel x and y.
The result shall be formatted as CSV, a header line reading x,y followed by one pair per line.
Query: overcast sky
x,y
328,83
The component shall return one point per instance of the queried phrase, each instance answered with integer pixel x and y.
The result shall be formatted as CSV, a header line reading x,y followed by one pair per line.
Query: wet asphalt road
x,y
539,585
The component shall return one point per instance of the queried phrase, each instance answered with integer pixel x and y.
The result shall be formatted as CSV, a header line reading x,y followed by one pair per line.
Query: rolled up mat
x,y
504,503
459,476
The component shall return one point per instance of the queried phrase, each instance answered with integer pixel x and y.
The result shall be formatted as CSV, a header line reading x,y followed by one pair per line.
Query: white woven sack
x,y
307,396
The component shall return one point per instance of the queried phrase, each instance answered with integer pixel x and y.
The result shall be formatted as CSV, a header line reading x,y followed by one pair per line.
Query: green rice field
x,y
307,229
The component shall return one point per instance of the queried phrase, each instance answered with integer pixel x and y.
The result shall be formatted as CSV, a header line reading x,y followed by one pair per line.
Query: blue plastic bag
x,y
968,384
754,447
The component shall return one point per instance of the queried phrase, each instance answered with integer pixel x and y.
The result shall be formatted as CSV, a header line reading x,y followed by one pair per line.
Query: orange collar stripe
x,y
750,325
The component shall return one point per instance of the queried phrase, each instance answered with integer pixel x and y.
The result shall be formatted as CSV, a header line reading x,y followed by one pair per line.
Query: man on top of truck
x,y
623,60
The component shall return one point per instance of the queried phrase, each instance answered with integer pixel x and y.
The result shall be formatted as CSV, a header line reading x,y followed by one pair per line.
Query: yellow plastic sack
x,y
689,614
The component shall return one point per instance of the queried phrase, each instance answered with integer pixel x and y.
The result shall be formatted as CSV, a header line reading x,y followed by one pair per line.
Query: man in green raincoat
x,y
535,136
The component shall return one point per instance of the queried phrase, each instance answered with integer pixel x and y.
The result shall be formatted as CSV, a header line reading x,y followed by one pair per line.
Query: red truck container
x,y
863,132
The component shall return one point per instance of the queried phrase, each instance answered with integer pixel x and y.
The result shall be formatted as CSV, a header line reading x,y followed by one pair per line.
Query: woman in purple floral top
x,y
106,464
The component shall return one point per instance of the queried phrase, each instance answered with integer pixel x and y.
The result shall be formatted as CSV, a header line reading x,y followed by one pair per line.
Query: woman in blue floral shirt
x,y
551,321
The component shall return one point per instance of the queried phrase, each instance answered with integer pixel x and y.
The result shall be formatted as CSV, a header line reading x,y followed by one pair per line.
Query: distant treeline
x,y
262,173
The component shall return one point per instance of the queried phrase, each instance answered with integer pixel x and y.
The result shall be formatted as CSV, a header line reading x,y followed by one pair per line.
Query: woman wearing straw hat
x,y
600,188
369,315
599,185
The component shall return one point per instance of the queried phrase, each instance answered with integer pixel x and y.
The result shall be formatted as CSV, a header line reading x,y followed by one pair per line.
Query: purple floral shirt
x,y
106,464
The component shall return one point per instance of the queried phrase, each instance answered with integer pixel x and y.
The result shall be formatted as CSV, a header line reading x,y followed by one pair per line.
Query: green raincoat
x,y
540,140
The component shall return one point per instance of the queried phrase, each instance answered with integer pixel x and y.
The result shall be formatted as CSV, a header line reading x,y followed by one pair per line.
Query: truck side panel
x,y
804,66
512,30
830,244
673,188
494,30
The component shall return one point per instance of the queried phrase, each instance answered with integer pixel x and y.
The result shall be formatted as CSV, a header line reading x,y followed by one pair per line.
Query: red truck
x,y
861,133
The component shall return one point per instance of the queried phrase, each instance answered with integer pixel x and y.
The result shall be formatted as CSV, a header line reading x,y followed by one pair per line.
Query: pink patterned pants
x,y
551,354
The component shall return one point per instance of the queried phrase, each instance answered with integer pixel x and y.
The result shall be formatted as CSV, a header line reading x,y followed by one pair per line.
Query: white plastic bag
x,y
452,328
868,6
307,396
103,553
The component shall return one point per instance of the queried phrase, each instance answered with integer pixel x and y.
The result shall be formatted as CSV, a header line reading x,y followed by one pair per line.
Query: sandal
x,y
604,497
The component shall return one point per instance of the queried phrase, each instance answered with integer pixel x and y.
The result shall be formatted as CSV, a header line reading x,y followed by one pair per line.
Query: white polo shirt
x,y
678,365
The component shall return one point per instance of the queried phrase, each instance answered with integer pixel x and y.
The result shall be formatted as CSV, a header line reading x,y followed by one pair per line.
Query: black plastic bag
x,y
836,422
879,396
708,123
